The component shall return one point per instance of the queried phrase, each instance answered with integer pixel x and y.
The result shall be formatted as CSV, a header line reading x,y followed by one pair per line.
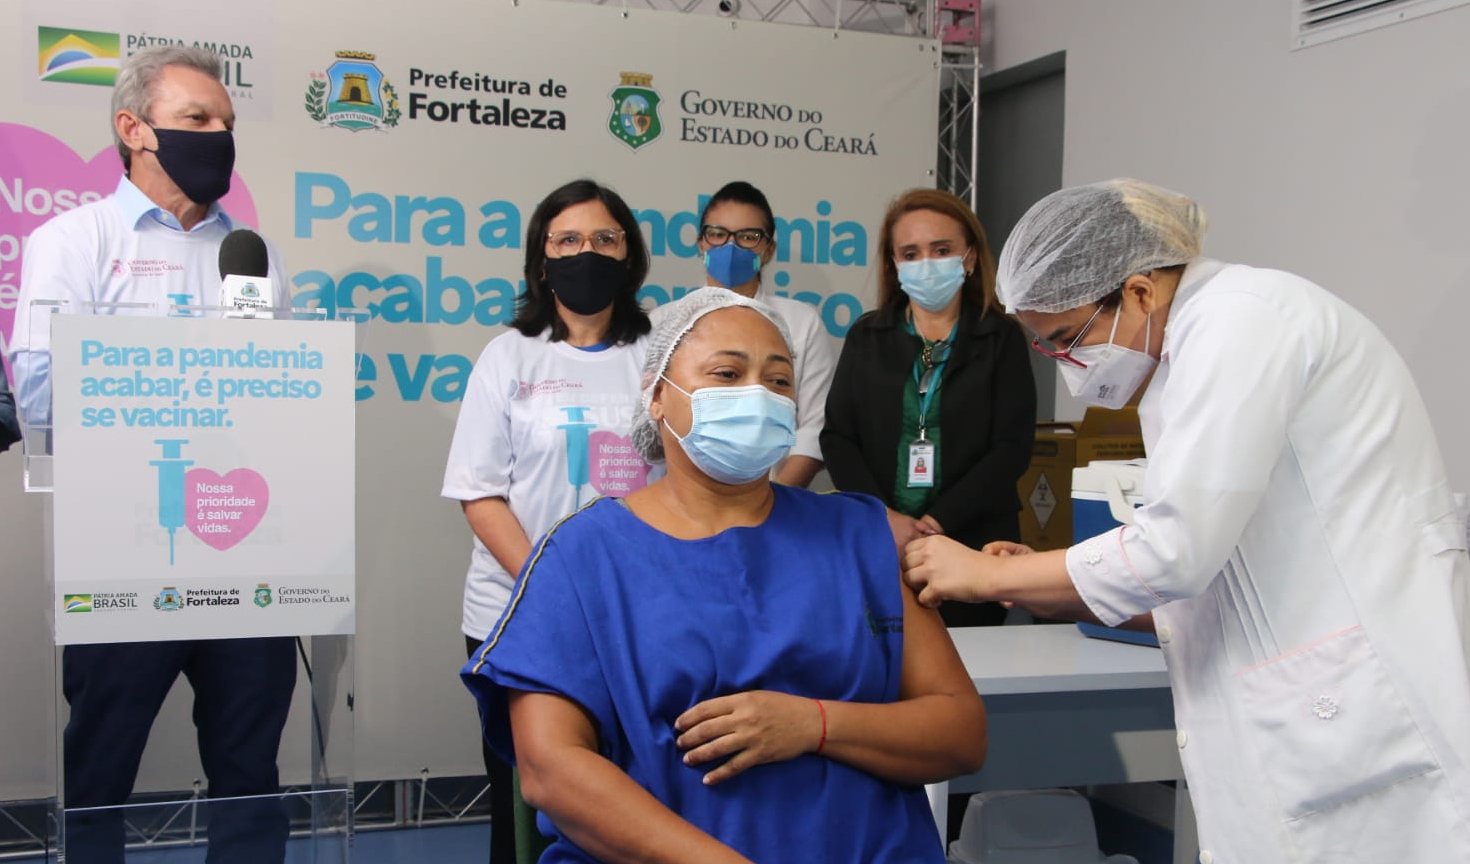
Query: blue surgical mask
x,y
731,265
932,282
738,433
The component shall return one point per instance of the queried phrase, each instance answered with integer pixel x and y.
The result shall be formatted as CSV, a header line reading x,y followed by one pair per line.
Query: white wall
x,y
1345,162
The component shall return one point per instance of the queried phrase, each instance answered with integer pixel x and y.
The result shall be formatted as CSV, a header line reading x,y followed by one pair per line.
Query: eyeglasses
x,y
745,238
1065,356
606,241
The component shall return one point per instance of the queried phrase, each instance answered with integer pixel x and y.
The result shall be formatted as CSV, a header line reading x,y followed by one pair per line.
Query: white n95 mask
x,y
738,433
1113,373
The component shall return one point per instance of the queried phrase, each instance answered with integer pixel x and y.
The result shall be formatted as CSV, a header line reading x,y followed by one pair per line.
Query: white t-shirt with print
x,y
815,362
544,425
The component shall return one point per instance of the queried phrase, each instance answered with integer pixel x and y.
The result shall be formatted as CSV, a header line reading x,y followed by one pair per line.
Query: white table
x,y
1066,710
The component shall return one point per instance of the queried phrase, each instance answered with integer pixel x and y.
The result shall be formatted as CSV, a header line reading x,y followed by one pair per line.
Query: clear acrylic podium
x,y
210,598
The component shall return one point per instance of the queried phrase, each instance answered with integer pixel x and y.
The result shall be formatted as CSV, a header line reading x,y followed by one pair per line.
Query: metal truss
x,y
422,802
25,827
28,828
959,122
901,17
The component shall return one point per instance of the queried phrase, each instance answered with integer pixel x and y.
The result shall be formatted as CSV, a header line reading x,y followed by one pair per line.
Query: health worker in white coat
x,y
1298,544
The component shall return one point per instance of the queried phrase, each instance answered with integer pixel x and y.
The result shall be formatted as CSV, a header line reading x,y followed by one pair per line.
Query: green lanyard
x,y
933,356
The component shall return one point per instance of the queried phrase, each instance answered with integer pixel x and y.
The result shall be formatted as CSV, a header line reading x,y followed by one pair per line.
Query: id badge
x,y
921,464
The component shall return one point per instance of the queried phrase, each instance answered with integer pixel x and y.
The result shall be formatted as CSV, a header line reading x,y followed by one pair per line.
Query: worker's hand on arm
x,y
939,568
748,729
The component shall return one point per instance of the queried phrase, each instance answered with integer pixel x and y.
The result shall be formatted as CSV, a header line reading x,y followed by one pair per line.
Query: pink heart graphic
x,y
224,510
40,176
615,468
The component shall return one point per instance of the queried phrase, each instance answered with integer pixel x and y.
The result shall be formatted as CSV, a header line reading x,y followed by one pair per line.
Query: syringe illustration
x,y
171,488
579,432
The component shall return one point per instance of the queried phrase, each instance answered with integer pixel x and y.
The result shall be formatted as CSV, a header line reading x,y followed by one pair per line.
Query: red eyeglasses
x,y
1065,355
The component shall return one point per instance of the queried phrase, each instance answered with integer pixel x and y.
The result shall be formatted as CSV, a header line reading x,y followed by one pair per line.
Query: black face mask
x,y
586,282
199,163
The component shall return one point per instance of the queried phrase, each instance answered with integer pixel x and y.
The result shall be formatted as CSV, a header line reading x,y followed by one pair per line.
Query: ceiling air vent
x,y
1317,21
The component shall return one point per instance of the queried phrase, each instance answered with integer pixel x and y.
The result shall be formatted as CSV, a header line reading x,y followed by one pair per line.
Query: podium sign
x,y
203,478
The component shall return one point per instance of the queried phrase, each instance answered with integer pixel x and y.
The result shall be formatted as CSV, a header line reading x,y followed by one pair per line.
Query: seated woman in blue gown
x,y
718,668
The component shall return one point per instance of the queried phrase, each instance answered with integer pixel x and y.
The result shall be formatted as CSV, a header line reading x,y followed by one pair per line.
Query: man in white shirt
x,y
149,242
156,241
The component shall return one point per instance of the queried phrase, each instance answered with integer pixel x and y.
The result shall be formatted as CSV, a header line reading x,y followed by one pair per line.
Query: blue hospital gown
x,y
637,627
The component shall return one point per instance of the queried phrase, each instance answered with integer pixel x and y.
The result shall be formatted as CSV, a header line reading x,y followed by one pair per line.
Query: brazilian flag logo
x,y
76,603
77,56
634,119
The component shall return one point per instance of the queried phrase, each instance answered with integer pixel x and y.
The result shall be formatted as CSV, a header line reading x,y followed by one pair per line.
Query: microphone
x,y
246,290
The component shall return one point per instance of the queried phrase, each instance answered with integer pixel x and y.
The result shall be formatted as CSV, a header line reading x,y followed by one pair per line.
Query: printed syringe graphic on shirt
x,y
579,432
220,510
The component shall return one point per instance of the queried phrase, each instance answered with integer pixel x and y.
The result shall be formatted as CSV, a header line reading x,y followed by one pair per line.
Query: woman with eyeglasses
x,y
932,407
737,237
546,416
1299,546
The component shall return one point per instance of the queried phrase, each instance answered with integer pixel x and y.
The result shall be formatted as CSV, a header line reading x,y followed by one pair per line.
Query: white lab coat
x,y
1300,550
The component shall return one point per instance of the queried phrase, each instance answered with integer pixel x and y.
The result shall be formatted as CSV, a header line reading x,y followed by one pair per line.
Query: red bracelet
x,y
823,742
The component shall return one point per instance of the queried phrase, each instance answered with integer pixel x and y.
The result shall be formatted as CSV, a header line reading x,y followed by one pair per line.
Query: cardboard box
x,y
1046,487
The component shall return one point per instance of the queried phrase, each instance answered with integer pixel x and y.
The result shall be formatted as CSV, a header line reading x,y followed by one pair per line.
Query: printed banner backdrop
x,y
184,507
394,152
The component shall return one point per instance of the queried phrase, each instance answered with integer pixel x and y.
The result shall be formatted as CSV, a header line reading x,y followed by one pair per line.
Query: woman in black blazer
x,y
933,407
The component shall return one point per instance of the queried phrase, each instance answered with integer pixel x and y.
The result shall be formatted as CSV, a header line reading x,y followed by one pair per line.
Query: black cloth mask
x,y
586,283
199,163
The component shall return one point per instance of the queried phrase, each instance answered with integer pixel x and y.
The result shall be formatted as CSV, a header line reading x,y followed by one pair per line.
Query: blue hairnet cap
x,y
1078,245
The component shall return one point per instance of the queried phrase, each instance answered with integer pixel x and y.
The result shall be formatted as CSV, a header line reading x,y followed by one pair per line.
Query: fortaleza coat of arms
x,y
352,94
634,119
168,600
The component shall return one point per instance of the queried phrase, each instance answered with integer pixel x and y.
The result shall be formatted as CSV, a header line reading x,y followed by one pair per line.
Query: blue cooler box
x,y
1104,495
